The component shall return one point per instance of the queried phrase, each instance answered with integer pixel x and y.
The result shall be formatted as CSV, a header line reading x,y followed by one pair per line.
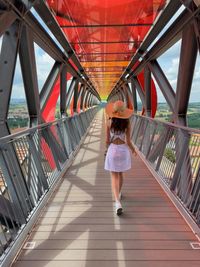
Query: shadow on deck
x,y
78,226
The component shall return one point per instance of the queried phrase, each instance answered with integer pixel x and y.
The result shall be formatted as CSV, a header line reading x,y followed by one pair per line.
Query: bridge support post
x,y
133,89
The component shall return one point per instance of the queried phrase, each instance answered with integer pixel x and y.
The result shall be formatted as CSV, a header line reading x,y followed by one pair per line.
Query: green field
x,y
193,114
18,114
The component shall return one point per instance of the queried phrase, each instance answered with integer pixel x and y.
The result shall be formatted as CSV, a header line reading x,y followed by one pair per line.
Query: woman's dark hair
x,y
119,125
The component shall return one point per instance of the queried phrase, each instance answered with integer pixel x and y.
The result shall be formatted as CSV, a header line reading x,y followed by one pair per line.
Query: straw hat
x,y
118,110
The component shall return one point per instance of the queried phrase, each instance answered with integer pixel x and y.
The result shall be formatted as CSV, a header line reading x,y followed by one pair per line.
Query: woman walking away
x,y
118,157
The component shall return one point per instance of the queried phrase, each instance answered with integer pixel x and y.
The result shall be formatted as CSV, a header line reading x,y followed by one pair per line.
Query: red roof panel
x,y
105,34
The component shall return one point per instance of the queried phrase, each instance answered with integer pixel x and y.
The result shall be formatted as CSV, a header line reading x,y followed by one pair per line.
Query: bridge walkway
x,y
79,228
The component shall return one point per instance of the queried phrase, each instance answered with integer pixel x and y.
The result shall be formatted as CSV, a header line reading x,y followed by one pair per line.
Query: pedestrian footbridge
x,y
78,225
56,201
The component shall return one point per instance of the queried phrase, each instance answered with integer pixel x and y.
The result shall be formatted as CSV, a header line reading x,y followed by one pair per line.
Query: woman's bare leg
x,y
115,184
121,179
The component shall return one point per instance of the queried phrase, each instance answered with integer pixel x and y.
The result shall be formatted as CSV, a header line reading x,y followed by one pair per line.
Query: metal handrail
x,y
27,131
31,162
173,152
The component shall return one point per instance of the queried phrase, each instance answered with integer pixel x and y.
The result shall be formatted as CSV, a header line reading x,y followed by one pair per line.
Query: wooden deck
x,y
79,228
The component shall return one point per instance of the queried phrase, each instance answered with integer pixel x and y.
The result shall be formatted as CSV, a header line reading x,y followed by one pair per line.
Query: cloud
x,y
44,64
169,62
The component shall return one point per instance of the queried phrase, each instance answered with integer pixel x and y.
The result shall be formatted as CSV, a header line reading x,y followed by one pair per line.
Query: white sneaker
x,y
118,208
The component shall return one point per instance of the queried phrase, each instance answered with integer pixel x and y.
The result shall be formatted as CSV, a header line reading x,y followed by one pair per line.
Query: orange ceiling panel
x,y
105,34
101,64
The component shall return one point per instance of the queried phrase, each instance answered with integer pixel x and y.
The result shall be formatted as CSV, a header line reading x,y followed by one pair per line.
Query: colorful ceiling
x,y
105,34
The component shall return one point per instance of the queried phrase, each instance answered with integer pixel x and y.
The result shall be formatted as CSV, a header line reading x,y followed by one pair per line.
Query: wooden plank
x,y
100,263
110,228
136,255
115,235
110,244
125,220
128,204
129,209
107,214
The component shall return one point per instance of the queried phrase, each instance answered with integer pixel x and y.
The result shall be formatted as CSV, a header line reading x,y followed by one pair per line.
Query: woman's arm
x,y
128,139
108,134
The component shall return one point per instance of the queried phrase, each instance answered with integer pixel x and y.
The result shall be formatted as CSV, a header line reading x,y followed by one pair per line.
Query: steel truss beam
x,y
107,25
29,73
171,8
49,84
70,91
90,100
139,90
98,54
169,38
82,97
164,43
163,83
22,35
86,99
80,92
6,19
47,16
42,38
113,42
82,104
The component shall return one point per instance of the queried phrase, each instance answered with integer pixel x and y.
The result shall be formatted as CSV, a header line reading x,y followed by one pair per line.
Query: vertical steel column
x,y
185,75
63,91
147,87
134,95
75,97
8,58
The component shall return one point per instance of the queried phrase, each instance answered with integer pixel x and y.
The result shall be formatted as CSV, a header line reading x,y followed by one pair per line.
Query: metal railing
x,y
174,153
30,163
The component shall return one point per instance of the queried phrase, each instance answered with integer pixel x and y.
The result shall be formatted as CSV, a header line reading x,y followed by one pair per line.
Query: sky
x,y
169,62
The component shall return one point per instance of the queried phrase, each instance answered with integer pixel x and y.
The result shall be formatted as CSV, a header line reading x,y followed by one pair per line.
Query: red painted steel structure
x,y
106,34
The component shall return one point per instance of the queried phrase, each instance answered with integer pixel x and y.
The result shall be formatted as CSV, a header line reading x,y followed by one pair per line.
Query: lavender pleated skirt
x,y
118,158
